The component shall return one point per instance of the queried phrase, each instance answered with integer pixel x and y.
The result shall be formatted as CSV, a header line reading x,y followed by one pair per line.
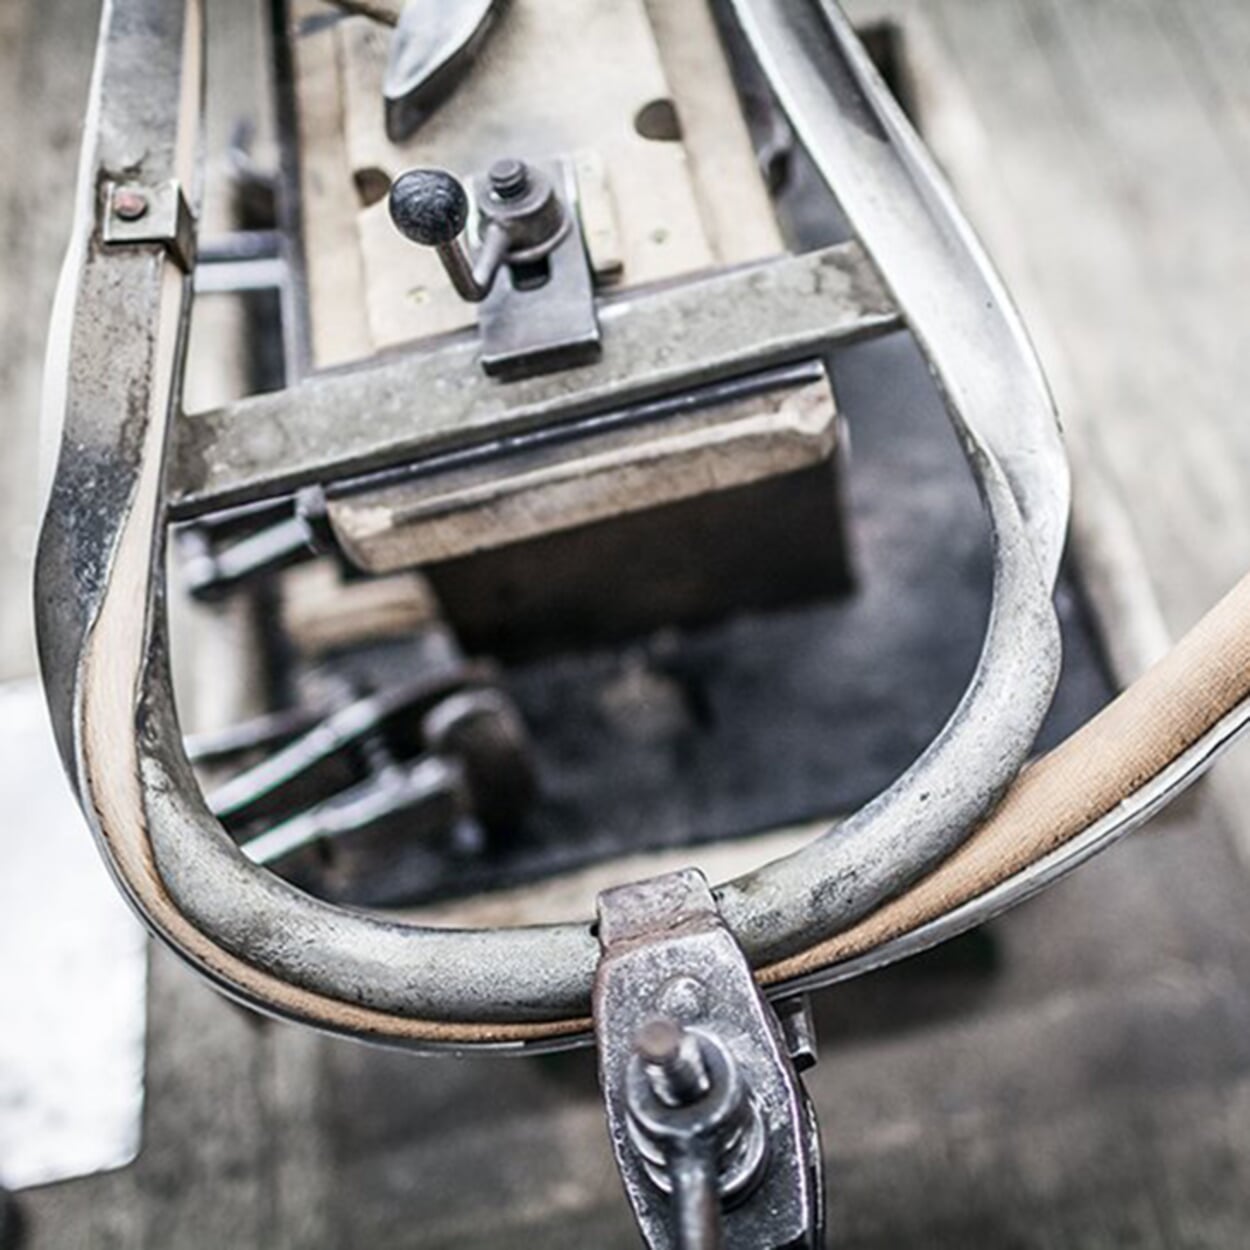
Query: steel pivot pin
x,y
673,1062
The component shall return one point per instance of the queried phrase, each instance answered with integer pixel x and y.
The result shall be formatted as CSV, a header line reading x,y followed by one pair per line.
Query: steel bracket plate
x,y
553,326
668,954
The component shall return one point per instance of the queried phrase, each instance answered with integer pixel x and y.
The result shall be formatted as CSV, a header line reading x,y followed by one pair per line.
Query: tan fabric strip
x,y
1162,714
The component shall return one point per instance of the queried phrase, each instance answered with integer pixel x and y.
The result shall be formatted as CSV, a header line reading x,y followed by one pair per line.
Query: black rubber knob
x,y
429,206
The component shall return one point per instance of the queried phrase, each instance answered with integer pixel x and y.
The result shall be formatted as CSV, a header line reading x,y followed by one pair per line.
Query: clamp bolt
x,y
509,178
673,1062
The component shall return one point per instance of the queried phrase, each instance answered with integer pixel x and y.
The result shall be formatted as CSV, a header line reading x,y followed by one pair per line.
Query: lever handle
x,y
431,207
523,218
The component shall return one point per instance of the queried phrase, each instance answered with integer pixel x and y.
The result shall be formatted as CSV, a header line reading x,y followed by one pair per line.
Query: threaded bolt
x,y
509,178
673,1062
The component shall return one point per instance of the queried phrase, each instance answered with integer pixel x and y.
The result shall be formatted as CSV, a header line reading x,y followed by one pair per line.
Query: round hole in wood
x,y
657,119
372,185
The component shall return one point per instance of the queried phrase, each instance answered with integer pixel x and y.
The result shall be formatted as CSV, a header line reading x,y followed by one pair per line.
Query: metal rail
x,y
400,409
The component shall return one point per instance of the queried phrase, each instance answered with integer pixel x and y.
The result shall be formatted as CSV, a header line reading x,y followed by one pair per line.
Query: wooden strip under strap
x,y
1054,800
1130,741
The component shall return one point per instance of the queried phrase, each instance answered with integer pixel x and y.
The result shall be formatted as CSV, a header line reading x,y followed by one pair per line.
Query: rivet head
x,y
129,204
683,998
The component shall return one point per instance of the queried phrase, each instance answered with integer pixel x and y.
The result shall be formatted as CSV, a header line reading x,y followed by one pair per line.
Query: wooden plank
x,y
677,206
1118,147
308,1212
336,292
1114,572
1100,146
205,1168
406,293
733,202
608,476
1185,452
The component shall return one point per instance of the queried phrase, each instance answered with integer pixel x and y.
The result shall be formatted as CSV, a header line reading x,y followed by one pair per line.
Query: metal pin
x,y
673,1062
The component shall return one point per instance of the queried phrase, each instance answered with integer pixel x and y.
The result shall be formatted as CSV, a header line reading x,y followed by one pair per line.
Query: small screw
x,y
129,204
673,1062
509,178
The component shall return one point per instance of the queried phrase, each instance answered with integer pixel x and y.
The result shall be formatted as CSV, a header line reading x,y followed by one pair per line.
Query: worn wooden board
x,y
336,289
613,475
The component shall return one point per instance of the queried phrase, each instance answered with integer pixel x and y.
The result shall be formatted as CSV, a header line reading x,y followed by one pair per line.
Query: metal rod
x,y
696,1202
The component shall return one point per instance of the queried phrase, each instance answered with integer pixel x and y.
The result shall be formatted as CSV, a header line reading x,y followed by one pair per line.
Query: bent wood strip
x,y
1170,709
1087,777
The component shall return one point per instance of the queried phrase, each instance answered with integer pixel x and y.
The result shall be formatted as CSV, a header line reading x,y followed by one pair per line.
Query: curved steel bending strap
x,y
903,211
978,352
101,623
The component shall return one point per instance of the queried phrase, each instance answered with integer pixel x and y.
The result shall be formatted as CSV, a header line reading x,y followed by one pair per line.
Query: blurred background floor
x,y
1076,1076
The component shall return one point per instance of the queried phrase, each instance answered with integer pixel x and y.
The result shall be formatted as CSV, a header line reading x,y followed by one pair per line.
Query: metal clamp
x,y
712,1130
543,316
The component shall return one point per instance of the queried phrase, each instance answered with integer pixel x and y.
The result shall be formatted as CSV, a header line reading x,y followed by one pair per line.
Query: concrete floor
x,y
45,63
1080,1076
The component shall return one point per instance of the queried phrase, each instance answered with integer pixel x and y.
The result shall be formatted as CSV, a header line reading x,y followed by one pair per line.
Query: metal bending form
x,y
100,580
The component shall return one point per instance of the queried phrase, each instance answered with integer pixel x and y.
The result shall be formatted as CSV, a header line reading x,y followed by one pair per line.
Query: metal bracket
x,y
712,1130
530,273
135,213
551,326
